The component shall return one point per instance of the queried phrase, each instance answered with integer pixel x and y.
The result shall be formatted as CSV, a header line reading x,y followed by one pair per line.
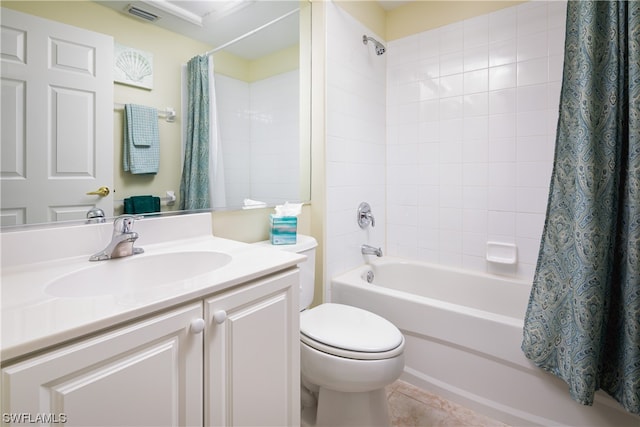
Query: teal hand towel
x,y
141,204
141,150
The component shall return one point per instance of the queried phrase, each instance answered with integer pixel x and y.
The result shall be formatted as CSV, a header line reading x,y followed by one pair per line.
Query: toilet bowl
x,y
347,356
348,349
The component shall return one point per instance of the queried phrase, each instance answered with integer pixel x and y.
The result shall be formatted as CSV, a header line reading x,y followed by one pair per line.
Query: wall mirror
x,y
261,52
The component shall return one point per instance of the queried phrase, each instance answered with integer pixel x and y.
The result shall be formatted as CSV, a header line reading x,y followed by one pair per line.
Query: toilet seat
x,y
350,332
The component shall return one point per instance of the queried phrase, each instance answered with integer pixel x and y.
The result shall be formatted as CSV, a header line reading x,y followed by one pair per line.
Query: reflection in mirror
x,y
256,106
262,77
259,134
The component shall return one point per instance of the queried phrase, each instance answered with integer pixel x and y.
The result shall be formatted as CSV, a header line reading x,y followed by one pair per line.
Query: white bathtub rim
x,y
351,282
501,283
355,276
393,260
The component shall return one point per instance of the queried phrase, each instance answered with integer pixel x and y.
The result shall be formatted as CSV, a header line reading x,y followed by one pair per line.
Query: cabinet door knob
x,y
220,316
197,326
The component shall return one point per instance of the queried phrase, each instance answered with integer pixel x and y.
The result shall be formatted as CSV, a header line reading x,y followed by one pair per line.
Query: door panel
x,y
57,132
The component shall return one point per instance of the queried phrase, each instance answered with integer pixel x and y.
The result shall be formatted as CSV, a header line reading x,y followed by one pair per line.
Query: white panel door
x,y
146,374
252,355
57,114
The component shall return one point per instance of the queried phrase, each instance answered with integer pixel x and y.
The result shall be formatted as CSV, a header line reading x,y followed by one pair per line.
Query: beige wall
x,y
252,225
370,13
318,210
285,60
280,62
417,16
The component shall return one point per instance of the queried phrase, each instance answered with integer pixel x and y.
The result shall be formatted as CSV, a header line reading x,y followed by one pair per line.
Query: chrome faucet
x,y
122,240
365,217
370,250
95,216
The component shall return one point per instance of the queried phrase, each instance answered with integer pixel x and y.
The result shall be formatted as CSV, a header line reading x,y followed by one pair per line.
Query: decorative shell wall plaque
x,y
133,67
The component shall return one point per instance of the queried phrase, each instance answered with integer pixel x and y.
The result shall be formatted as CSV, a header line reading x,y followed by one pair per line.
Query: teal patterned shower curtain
x,y
583,319
194,185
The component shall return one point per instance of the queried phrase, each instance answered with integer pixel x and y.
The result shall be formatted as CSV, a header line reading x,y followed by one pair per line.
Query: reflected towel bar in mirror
x,y
168,113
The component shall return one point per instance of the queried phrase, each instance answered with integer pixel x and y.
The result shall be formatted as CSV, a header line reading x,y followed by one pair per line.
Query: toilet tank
x,y
305,245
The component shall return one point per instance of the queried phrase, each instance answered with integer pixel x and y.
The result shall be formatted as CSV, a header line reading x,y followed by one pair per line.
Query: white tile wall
x,y
234,98
471,115
260,137
449,136
275,136
355,141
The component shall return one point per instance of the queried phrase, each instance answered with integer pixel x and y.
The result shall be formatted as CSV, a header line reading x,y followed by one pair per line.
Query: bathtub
x,y
463,332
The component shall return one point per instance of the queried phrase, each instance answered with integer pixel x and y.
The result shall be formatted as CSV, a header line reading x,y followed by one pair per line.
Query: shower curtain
x,y
202,183
583,318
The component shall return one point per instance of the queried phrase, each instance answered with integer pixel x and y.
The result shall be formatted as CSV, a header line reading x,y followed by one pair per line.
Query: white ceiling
x,y
224,20
217,22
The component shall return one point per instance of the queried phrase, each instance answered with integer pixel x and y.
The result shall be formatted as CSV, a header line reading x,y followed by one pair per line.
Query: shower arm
x,y
380,49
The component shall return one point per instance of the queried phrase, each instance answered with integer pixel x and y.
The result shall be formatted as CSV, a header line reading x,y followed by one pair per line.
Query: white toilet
x,y
347,356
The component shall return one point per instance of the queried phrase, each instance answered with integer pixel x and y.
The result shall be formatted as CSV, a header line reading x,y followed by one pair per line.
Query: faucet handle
x,y
95,215
124,223
365,217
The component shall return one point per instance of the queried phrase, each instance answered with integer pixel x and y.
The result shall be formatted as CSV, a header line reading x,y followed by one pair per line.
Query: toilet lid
x,y
349,328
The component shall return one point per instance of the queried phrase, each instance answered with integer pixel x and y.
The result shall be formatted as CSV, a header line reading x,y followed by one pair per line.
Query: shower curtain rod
x,y
250,33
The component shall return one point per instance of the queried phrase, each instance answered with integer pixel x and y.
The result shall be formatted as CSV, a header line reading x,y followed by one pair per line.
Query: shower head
x,y
380,49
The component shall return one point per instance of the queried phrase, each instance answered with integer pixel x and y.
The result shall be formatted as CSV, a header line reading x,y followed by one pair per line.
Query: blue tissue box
x,y
284,229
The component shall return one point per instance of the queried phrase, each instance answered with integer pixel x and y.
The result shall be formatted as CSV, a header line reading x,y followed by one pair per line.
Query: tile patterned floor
x,y
410,406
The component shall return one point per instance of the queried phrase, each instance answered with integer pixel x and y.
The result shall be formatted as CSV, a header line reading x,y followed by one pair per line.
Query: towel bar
x,y
169,114
169,199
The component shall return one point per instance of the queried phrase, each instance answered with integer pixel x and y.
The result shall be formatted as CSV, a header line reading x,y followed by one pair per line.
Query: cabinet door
x,y
148,373
252,354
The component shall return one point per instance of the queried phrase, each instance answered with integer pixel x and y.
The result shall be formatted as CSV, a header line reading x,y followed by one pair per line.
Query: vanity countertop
x,y
33,320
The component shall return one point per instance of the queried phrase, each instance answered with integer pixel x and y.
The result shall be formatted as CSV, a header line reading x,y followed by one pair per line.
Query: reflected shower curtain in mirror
x,y
202,175
583,318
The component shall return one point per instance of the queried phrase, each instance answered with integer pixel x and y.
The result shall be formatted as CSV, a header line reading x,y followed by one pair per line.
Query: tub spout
x,y
370,250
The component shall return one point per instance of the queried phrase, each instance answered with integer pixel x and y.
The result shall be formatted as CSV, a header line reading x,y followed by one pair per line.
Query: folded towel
x,y
141,204
141,150
253,204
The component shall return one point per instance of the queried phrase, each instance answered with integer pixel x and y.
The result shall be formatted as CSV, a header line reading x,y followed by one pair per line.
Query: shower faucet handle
x,y
365,217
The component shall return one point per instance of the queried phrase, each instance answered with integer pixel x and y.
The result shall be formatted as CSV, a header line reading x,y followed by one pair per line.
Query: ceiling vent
x,y
141,14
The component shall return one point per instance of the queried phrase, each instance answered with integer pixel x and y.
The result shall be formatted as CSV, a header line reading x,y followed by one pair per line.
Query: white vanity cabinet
x,y
152,372
252,361
147,373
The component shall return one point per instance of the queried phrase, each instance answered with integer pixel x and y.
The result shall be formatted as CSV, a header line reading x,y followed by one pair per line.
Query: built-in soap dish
x,y
502,253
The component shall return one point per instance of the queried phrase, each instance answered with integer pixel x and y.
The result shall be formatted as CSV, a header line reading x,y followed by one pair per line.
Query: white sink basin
x,y
129,274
